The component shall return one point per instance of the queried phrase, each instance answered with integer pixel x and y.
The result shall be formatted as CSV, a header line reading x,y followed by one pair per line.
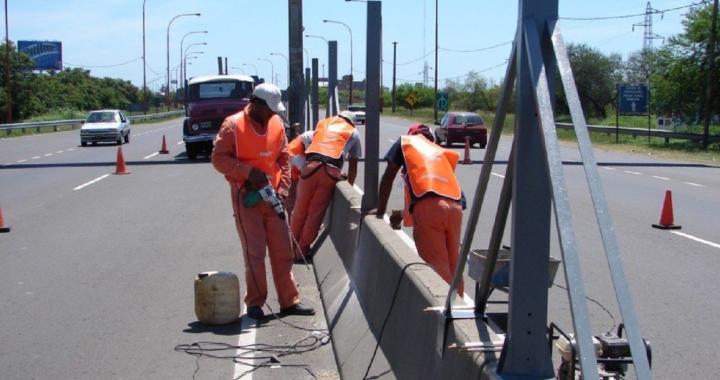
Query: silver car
x,y
359,112
105,126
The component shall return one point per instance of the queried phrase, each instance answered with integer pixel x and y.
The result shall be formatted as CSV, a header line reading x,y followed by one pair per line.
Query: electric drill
x,y
268,195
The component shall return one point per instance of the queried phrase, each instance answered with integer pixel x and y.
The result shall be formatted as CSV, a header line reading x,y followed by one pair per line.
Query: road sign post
x,y
411,100
632,101
441,101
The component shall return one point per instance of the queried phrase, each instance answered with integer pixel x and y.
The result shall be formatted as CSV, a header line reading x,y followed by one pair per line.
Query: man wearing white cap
x,y
335,139
251,151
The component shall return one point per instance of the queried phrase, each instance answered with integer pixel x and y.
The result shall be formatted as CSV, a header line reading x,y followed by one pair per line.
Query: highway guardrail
x,y
73,122
667,135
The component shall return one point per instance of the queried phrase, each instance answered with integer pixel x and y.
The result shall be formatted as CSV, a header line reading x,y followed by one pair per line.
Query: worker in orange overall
x,y
434,202
297,148
251,151
334,141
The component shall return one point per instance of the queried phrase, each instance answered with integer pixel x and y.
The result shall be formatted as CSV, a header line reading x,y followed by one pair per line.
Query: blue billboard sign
x,y
47,55
633,99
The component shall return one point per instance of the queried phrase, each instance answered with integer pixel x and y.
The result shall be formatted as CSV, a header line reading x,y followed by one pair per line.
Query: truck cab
x,y
208,101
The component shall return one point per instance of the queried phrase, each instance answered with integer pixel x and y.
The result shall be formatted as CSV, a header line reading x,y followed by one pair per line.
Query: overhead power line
x,y
102,67
629,16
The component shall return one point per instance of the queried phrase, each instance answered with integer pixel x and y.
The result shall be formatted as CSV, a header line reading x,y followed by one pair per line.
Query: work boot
x,y
298,309
255,312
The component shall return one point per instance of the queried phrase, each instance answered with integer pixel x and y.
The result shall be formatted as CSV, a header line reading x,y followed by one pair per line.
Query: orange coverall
x,y
259,227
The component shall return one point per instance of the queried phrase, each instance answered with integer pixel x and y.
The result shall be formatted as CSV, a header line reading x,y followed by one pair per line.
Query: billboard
x,y
46,54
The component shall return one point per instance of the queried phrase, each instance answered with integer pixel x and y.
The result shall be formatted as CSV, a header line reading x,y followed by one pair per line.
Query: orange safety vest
x,y
331,136
430,169
260,151
296,148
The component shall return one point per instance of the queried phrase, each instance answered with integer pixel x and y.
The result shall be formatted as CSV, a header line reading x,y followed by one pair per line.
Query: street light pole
x,y
183,63
182,68
435,110
144,64
394,67
238,68
168,53
272,69
185,55
288,63
255,67
351,57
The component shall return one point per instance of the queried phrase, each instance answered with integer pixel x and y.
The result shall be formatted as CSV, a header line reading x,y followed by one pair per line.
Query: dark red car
x,y
455,126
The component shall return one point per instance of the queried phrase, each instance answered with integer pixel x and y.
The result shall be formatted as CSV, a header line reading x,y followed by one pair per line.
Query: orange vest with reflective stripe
x,y
331,136
430,169
296,148
260,151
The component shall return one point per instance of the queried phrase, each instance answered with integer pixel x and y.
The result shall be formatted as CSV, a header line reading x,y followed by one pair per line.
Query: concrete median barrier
x,y
358,268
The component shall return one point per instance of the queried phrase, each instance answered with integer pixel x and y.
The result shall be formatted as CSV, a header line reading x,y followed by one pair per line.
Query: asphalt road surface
x,y
97,272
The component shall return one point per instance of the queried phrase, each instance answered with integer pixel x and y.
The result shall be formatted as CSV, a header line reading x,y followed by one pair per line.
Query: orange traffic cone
x,y
666,218
120,166
3,227
164,149
467,160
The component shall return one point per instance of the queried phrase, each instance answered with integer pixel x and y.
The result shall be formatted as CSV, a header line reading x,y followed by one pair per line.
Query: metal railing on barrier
x,y
667,135
55,124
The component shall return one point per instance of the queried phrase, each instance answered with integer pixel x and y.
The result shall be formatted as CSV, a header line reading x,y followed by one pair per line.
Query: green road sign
x,y
441,101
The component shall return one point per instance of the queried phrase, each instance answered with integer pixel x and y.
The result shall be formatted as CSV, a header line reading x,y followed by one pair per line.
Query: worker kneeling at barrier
x,y
334,140
434,201
251,151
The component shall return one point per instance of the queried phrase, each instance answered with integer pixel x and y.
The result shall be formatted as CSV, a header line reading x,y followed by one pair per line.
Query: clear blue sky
x,y
105,36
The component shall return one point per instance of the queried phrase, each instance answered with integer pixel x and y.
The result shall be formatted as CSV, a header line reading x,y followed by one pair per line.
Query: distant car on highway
x,y
105,126
209,100
359,112
455,126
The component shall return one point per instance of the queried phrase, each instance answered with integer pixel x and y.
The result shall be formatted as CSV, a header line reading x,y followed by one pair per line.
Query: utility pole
x,y
295,66
711,70
7,66
394,70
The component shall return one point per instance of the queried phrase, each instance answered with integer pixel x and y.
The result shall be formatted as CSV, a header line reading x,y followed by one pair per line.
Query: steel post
x,y
372,104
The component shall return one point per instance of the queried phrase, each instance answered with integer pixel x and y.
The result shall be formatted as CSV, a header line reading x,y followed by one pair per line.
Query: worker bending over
x,y
251,151
335,140
434,201
297,148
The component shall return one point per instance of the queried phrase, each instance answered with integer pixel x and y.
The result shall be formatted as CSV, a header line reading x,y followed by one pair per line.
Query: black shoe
x,y
255,312
298,309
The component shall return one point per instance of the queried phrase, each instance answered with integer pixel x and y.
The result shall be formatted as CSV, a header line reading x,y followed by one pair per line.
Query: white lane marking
x,y
392,141
247,336
662,178
36,157
697,239
48,155
181,142
59,151
91,182
629,172
152,155
21,161
693,184
8,164
71,149
608,168
498,175
502,147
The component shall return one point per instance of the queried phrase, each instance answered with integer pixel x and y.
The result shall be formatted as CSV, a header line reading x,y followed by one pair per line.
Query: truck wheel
x,y
191,151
